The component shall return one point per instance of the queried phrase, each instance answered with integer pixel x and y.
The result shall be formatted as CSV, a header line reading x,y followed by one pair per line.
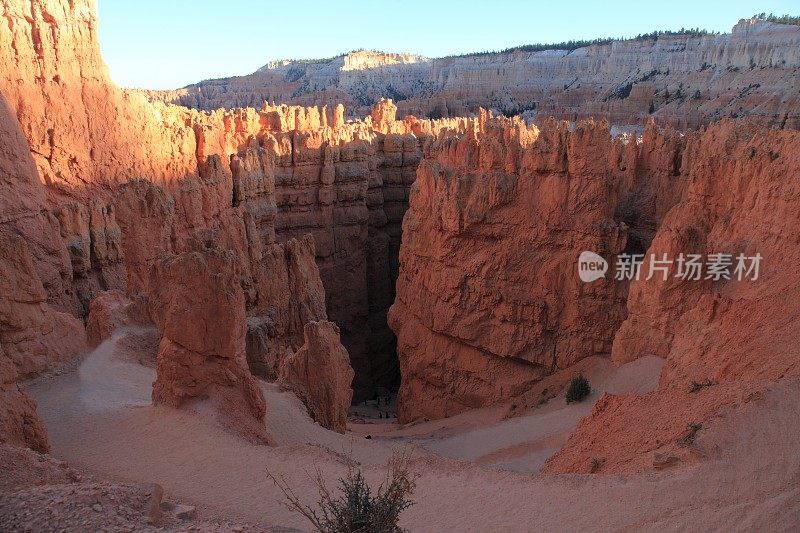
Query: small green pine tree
x,y
578,389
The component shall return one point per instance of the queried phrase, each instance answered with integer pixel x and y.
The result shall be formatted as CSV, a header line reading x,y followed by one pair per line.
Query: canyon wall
x,y
725,340
113,182
85,137
33,335
104,190
488,297
345,184
681,80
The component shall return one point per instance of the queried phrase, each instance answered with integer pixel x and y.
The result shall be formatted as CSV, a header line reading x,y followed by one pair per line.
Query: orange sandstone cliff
x,y
725,341
489,300
105,183
488,297
100,186
300,213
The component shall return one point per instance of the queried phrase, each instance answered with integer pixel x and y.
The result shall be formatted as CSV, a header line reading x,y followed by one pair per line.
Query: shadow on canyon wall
x,y
315,224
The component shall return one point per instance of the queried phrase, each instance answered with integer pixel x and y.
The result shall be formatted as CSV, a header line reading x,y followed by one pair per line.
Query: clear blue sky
x,y
163,44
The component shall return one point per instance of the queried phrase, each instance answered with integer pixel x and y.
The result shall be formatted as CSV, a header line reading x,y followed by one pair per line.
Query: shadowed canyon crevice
x,y
122,181
280,263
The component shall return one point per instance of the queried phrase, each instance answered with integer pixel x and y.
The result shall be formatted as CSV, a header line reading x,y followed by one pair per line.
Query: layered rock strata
x,y
122,181
725,339
34,337
197,302
320,374
101,187
681,80
488,298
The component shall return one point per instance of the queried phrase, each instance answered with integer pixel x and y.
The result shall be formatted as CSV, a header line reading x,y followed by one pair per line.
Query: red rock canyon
x,y
313,264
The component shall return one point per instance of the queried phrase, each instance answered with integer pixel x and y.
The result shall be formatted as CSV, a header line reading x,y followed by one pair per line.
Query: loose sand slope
x,y
99,418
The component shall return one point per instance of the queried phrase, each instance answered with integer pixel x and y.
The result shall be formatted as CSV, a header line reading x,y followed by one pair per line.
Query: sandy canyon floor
x,y
434,244
477,471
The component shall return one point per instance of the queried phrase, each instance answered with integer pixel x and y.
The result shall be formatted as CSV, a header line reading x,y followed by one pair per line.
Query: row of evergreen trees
x,y
783,19
582,43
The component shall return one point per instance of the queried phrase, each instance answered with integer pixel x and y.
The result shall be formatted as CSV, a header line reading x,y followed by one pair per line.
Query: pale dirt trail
x,y
99,418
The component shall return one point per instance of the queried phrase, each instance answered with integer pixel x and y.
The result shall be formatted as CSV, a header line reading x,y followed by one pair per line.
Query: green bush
x,y
578,389
357,509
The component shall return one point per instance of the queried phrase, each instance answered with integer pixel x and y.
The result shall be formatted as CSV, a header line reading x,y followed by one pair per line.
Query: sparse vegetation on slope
x,y
357,510
578,389
690,435
572,44
783,19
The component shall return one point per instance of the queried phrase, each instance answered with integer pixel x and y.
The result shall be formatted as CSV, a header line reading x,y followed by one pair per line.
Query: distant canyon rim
x,y
682,81
383,224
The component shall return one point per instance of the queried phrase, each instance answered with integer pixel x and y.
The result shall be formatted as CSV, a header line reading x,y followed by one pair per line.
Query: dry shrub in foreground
x,y
356,509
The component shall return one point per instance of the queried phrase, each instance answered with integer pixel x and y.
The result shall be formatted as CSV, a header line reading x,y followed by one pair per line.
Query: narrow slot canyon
x,y
350,194
204,295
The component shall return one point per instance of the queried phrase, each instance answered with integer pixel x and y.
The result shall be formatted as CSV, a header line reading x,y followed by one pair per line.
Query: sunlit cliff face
x,y
313,173
467,228
681,80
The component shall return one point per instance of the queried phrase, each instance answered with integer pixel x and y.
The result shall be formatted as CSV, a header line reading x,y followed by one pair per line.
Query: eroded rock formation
x,y
320,374
124,182
682,80
34,337
488,297
78,224
725,341
197,302
251,231
20,425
